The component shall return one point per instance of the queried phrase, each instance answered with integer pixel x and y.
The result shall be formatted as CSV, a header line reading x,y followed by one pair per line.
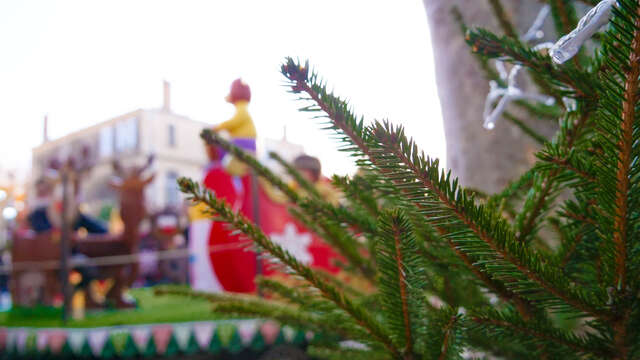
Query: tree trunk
x,y
481,159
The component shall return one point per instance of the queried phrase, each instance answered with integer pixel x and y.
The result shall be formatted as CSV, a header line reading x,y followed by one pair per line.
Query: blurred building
x,y
288,151
173,139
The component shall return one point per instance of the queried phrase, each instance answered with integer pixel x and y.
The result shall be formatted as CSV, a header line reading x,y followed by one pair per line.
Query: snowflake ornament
x,y
297,244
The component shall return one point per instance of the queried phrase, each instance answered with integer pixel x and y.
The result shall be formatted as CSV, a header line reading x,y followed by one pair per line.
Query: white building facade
x,y
174,140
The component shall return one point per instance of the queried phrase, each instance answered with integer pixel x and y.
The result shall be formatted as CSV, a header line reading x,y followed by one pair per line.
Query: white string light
x,y
535,31
512,92
506,95
567,46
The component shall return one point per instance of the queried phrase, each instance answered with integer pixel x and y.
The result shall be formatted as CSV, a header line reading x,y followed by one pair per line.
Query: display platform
x,y
161,327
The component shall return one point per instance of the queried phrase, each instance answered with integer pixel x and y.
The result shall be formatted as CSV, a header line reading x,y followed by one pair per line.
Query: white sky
x,y
84,61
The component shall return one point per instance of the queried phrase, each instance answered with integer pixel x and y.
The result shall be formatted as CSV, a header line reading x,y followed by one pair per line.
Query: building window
x,y
172,191
126,135
172,135
106,142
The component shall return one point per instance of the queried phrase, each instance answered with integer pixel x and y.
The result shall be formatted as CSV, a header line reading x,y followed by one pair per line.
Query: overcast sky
x,y
83,62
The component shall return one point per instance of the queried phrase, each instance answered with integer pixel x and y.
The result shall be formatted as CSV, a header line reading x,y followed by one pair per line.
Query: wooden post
x,y
64,247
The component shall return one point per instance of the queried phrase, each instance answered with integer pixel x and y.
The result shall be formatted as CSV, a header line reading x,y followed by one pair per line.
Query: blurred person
x,y
240,128
47,210
311,169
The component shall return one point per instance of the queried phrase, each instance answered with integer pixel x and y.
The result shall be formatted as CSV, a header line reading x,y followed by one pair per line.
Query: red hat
x,y
239,91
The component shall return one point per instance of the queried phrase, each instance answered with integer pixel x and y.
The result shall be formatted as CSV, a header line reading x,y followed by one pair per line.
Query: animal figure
x,y
29,246
130,183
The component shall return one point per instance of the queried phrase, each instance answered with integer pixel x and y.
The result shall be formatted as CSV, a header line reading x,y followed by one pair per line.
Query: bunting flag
x,y
246,330
269,331
152,340
161,337
42,337
141,336
21,340
182,333
97,340
203,333
56,340
76,340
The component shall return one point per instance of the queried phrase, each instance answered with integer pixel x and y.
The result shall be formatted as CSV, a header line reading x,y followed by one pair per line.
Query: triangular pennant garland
x,y
289,333
31,343
21,340
119,340
269,332
11,340
57,338
148,340
97,339
41,340
204,333
141,335
3,339
76,340
246,329
182,332
161,337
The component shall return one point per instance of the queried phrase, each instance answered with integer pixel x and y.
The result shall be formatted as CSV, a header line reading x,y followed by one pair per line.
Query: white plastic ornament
x,y
506,95
567,46
535,31
512,92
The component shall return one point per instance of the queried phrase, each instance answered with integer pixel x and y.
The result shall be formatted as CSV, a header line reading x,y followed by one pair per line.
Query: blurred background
x,y
86,85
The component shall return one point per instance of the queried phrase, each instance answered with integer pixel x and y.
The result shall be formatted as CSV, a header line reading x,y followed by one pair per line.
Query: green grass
x,y
151,309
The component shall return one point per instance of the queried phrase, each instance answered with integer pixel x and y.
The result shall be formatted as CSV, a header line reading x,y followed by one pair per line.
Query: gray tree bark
x,y
481,159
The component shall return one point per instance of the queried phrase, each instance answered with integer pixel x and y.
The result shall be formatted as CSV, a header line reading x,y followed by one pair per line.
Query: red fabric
x,y
236,268
274,218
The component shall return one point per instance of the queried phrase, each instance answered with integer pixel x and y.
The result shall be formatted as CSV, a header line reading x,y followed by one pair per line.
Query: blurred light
x,y
3,195
19,205
9,213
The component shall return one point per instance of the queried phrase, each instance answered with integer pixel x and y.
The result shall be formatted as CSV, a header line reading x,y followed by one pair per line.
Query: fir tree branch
x,y
492,74
345,122
241,223
568,137
295,174
359,190
400,279
334,235
624,158
564,18
445,344
567,256
539,331
442,337
526,230
503,19
403,290
565,163
493,46
404,153
525,128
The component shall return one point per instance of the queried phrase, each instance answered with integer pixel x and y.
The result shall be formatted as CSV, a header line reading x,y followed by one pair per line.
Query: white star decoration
x,y
297,244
